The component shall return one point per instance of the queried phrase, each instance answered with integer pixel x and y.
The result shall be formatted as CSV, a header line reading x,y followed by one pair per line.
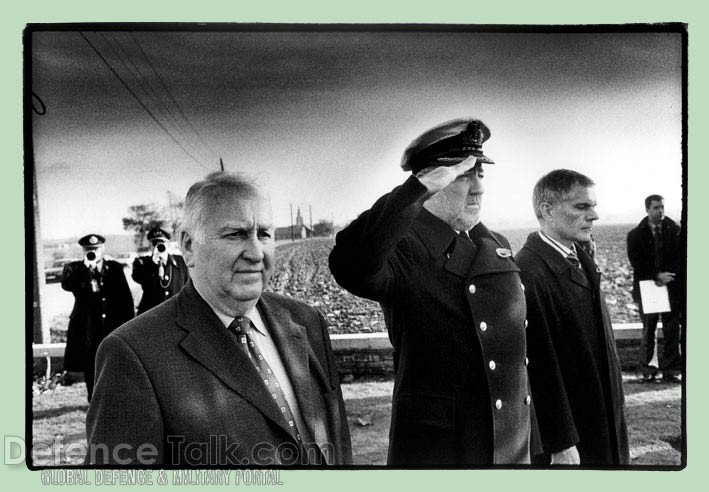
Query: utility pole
x,y
292,233
311,216
221,164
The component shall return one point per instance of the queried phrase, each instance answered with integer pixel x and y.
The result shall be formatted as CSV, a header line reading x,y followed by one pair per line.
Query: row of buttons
x,y
527,401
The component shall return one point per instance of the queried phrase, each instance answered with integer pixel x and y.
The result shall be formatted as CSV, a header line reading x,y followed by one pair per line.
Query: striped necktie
x,y
574,260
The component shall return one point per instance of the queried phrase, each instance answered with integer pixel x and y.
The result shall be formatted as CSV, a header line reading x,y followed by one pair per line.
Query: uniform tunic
x,y
156,289
102,302
455,313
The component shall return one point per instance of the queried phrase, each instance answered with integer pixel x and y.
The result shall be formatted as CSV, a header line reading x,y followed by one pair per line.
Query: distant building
x,y
297,231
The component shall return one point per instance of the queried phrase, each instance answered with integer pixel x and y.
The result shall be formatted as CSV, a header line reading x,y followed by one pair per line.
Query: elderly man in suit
x,y
102,303
573,364
222,374
453,304
160,274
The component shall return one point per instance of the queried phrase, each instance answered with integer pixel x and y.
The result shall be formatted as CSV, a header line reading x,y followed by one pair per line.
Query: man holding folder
x,y
655,253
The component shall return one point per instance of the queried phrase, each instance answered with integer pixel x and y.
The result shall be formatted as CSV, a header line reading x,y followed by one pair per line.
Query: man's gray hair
x,y
203,195
555,187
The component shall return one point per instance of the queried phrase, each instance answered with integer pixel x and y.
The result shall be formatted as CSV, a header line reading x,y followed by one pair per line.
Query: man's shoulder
x,y
289,303
153,324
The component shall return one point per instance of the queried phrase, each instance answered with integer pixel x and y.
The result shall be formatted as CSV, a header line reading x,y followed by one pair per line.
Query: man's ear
x,y
187,247
547,211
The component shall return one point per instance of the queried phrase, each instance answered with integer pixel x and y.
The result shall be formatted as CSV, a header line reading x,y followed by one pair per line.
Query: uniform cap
x,y
91,241
158,235
447,144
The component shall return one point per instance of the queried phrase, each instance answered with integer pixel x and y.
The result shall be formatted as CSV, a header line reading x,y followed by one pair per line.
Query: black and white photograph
x,y
356,246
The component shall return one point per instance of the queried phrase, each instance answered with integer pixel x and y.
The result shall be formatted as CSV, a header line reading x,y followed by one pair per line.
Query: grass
x,y
653,413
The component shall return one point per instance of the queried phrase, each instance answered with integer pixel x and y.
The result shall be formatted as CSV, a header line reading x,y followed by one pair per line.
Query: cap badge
x,y
503,252
93,240
472,137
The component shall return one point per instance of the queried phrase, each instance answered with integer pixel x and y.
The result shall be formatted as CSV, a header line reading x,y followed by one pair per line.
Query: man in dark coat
x,y
222,374
655,253
453,306
102,302
160,274
573,364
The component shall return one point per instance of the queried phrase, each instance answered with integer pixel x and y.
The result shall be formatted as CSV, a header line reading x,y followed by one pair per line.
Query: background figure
x,y
453,305
573,364
655,253
102,302
222,361
160,274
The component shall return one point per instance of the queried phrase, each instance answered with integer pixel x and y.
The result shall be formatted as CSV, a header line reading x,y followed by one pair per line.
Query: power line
x,y
172,97
132,93
143,83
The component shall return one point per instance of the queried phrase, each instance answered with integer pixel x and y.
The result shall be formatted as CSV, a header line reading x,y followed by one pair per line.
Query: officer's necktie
x,y
241,327
161,269
465,235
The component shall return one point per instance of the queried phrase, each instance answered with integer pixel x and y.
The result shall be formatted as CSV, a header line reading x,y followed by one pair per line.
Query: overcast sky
x,y
323,117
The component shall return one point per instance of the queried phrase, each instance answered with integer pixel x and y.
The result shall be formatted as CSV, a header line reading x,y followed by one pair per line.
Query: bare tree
x,y
141,219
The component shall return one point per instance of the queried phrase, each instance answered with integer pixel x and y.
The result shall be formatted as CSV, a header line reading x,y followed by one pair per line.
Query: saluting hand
x,y
435,178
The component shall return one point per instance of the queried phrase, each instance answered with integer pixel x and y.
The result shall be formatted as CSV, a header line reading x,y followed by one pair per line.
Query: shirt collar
x,y
563,250
253,314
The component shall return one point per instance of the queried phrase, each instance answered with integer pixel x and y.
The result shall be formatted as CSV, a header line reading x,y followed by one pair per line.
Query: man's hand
x,y
435,178
569,456
664,278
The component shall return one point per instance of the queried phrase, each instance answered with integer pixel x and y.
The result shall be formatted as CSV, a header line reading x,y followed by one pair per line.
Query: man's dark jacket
x,y
176,379
456,321
155,289
95,314
641,248
573,363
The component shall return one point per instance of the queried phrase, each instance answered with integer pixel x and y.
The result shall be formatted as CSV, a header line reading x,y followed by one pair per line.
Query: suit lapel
x,y
291,340
211,345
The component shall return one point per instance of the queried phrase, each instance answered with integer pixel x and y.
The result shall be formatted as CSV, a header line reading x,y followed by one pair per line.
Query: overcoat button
x,y
498,404
522,287
526,323
472,288
492,365
526,361
527,400
483,326
103,315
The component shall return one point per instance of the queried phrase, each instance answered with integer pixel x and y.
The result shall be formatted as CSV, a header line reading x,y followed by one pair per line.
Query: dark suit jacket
x,y
145,272
95,314
455,315
175,378
641,253
573,363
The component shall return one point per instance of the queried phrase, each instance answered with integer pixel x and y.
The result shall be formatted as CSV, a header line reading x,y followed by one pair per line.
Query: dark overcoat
x,y
156,289
95,314
573,363
641,253
455,313
175,379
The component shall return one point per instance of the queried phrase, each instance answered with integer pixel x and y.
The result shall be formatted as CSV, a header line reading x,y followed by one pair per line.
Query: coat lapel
x,y
557,263
302,366
211,345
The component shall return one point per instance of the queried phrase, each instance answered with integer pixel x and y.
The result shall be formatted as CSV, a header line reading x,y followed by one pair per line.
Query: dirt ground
x,y
653,414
